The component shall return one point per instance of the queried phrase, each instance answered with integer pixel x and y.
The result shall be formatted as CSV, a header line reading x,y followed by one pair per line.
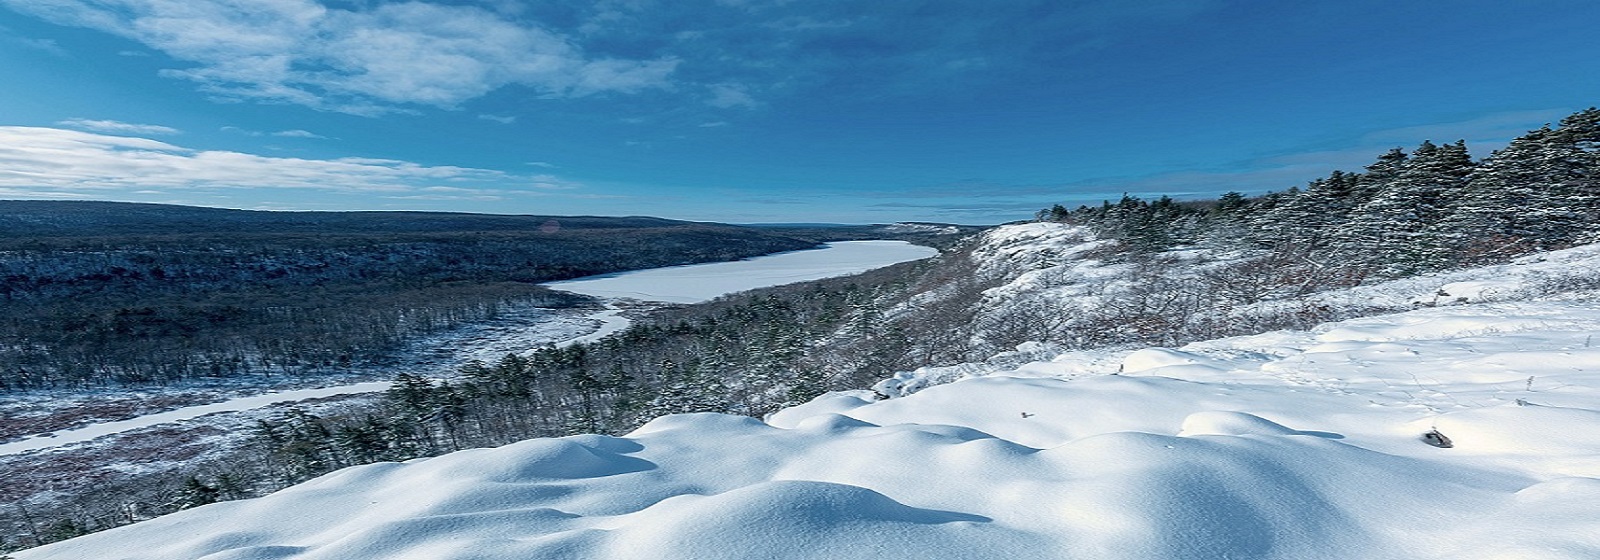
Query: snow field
x,y
1286,444
1281,445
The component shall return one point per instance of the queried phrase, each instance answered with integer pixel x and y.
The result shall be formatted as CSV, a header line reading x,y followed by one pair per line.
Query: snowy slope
x,y
1288,444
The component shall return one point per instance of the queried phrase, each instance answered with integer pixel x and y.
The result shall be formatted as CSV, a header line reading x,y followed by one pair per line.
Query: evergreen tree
x,y
1492,217
1379,175
1305,220
1572,162
1542,191
1391,229
1225,223
1261,223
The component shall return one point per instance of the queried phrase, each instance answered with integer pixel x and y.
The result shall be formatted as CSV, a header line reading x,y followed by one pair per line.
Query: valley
x,y
90,442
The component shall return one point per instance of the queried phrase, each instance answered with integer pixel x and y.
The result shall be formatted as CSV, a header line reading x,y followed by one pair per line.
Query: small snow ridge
x,y
835,403
1154,358
1227,423
796,519
829,423
544,459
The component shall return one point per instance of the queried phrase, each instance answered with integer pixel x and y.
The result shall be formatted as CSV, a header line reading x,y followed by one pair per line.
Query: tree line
x,y
1433,208
84,311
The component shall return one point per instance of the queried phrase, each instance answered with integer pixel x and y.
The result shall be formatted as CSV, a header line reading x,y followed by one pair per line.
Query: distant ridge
x,y
50,218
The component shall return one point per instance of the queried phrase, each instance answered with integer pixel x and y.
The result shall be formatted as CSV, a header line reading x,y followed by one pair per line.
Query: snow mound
x,y
1162,358
806,519
1228,423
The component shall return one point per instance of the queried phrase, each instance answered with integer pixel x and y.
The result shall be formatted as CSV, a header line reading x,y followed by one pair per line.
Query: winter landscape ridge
x,y
1284,444
768,279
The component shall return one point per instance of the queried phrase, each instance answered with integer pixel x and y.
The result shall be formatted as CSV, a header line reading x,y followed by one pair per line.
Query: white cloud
x,y
364,60
59,163
502,119
551,183
298,134
118,127
731,95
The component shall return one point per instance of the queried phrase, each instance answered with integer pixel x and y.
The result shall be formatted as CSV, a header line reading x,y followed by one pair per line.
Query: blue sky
x,y
756,110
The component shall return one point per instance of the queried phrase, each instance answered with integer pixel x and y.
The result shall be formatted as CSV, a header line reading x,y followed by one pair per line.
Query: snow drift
x,y
1287,444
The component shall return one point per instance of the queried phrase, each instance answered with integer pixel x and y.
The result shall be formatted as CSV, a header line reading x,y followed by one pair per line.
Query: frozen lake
x,y
703,282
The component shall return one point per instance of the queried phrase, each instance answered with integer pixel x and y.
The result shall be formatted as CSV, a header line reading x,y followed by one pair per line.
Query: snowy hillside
x,y
1285,444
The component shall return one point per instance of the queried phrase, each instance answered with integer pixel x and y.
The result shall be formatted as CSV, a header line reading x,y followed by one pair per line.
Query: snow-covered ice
x,y
704,282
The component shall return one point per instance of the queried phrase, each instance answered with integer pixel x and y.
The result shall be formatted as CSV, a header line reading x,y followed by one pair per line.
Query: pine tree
x,y
1572,162
1226,223
686,390
1379,175
1391,229
1439,178
1305,220
1542,191
1491,217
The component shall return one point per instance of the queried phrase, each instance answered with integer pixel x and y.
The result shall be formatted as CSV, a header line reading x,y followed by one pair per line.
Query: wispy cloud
x,y
502,119
116,127
294,133
298,134
1494,129
365,59
46,45
59,163
728,96
551,183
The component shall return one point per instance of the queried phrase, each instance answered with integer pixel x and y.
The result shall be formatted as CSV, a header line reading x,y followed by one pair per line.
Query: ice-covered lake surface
x,y
704,282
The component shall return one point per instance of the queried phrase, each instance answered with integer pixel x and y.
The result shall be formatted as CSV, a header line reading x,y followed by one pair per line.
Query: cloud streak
x,y
297,133
59,163
367,60
116,127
